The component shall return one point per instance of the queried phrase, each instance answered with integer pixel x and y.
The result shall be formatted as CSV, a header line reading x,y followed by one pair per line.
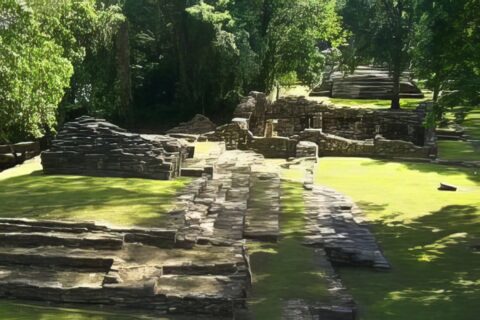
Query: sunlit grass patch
x,y
426,235
376,104
27,193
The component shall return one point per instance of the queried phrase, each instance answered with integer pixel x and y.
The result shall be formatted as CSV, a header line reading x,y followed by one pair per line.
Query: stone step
x,y
56,256
98,241
262,217
335,228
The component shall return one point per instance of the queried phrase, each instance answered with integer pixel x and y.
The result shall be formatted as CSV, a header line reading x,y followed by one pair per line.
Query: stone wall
x,y
89,146
295,114
11,155
331,145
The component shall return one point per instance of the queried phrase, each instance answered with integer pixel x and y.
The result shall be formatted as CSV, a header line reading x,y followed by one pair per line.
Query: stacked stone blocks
x,y
89,146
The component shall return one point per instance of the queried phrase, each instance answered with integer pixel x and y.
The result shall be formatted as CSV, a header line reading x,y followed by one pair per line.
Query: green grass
x,y
285,270
458,151
472,124
463,150
376,104
426,235
18,311
26,192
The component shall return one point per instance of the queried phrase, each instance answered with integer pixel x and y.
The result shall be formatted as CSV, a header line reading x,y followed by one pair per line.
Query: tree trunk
x,y
436,88
123,73
174,12
396,87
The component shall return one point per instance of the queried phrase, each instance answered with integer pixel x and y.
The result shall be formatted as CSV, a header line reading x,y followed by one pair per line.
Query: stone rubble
x,y
200,124
336,225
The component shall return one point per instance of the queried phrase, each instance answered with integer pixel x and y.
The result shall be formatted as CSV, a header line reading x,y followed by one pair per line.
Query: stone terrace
x,y
197,264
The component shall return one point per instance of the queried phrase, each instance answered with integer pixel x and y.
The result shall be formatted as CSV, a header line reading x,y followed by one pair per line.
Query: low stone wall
x,y
95,147
11,155
295,114
330,145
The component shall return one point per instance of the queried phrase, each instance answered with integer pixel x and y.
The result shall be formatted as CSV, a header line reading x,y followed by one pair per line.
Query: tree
x,y
34,73
446,51
383,32
293,31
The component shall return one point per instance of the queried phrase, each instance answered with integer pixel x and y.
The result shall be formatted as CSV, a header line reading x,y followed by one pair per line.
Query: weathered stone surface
x,y
447,187
91,146
262,217
306,149
200,124
366,82
336,226
11,155
100,241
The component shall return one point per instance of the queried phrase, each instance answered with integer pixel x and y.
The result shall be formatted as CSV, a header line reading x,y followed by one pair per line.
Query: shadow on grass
x,y
112,200
287,269
435,271
473,174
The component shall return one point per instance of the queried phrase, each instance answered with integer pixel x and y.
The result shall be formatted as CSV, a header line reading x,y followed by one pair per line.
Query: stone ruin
x,y
278,129
11,155
366,82
89,146
198,125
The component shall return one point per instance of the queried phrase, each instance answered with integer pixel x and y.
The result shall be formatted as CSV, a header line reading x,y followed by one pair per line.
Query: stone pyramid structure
x,y
366,83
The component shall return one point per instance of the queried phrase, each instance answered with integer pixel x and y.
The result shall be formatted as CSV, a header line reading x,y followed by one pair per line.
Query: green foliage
x,y
34,73
382,33
42,43
292,35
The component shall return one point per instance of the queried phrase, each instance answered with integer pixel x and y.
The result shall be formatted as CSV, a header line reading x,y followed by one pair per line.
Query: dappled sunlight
x,y
425,234
17,311
430,252
287,269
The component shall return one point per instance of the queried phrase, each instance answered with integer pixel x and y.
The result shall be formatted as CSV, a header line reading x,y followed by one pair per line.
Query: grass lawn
x,y
26,192
287,269
408,104
463,150
10,310
426,235
472,124
458,151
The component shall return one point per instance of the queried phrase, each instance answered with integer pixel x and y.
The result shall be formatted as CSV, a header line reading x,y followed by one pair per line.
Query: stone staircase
x,y
105,266
366,83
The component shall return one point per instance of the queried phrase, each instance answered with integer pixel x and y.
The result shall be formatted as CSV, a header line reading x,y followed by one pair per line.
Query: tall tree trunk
x,y
396,91
397,73
174,12
436,88
123,73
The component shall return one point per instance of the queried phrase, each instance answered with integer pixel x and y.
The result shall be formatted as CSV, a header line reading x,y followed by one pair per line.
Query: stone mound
x,y
89,146
198,125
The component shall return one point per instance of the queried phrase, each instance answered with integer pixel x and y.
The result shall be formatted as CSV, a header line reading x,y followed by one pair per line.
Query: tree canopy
x,y
142,62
